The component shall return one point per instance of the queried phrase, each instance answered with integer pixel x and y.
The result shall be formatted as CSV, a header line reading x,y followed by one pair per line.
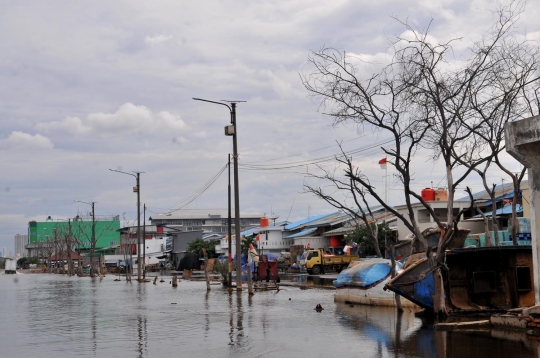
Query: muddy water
x,y
57,316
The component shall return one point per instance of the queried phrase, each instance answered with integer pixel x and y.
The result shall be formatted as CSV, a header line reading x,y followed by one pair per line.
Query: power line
x,y
192,197
313,162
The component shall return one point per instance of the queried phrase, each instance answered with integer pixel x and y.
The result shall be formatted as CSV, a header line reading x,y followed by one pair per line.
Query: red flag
x,y
382,163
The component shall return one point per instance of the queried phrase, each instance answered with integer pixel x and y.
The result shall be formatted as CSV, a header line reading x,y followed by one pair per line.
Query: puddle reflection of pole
x,y
143,335
207,309
94,316
239,318
397,341
231,320
142,331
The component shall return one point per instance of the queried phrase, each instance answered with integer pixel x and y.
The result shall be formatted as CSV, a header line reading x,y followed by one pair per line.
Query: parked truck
x,y
318,262
10,266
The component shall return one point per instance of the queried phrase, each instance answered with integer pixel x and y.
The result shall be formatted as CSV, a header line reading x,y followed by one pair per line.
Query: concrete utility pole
x,y
523,143
136,189
229,226
144,241
232,131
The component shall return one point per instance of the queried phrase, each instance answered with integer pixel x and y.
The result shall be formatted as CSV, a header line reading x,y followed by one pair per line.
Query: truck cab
x,y
317,261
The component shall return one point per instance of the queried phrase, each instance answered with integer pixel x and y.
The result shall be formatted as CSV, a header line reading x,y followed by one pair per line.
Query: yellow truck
x,y
318,262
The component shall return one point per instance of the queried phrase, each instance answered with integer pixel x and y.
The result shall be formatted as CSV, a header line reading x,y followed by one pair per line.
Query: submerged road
x,y
46,315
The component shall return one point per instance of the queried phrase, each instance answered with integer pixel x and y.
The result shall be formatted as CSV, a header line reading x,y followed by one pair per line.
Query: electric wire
x,y
192,197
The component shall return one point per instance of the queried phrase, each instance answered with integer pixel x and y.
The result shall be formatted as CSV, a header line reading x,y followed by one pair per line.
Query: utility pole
x,y
144,241
236,202
232,130
230,226
136,189
93,240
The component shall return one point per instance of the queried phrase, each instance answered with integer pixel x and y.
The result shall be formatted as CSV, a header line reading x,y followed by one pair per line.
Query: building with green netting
x,y
79,228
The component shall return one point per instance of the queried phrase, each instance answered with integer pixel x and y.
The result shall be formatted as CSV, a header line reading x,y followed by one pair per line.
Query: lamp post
x,y
229,230
93,243
231,131
136,189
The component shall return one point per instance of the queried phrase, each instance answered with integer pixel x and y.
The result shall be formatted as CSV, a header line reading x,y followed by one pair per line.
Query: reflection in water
x,y
143,336
239,319
308,280
236,339
57,316
383,325
93,314
207,314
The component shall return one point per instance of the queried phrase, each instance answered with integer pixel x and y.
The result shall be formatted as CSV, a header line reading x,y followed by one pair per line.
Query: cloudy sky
x,y
92,85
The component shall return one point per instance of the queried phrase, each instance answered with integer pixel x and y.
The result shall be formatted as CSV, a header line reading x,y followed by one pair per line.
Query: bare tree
x,y
424,99
88,235
363,210
67,242
505,91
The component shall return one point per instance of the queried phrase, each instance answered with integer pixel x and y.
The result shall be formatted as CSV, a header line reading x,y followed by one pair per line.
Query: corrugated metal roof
x,y
507,210
500,191
339,231
302,233
305,222
251,231
334,218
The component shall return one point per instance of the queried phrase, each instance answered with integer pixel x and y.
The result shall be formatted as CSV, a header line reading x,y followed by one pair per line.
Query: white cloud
x,y
72,125
128,119
157,39
200,134
533,36
180,140
21,140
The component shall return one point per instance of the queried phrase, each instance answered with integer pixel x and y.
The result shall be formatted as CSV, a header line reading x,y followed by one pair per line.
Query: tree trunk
x,y
397,297
375,239
439,304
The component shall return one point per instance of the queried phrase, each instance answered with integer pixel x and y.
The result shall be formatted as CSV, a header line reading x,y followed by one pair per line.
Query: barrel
x,y
265,221
441,194
428,194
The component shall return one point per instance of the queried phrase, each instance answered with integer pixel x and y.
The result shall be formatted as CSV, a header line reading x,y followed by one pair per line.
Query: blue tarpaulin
x,y
367,273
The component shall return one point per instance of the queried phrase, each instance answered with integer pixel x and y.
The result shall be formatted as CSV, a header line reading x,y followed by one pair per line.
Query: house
x,y
425,220
326,231
471,219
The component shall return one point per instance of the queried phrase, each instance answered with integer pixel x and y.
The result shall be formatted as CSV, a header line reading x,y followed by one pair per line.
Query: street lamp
x,y
93,243
232,131
136,189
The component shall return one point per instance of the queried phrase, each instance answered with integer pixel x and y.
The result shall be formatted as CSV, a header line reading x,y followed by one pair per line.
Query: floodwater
x,y
44,315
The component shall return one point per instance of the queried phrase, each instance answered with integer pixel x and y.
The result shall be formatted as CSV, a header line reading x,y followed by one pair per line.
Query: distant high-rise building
x,y
20,245
4,251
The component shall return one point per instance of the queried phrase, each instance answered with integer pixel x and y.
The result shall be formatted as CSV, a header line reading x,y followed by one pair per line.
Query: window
x,y
523,278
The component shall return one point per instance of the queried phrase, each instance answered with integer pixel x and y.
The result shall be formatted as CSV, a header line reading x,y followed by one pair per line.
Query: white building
x,y
207,220
20,245
156,247
425,220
